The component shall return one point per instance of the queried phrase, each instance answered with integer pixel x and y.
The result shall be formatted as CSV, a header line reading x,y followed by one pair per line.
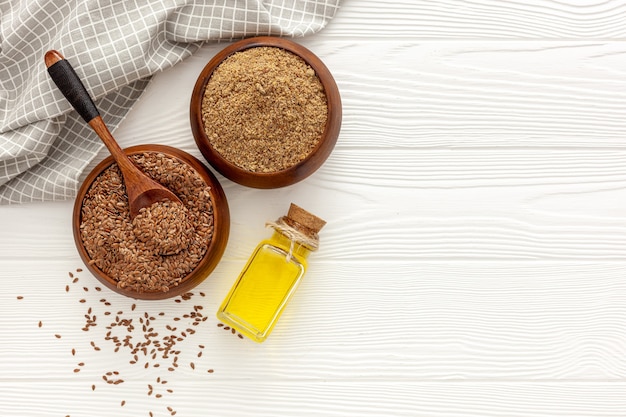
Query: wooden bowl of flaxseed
x,y
138,257
265,112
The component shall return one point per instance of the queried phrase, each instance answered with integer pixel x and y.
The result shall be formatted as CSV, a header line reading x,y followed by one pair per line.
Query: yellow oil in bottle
x,y
264,287
269,278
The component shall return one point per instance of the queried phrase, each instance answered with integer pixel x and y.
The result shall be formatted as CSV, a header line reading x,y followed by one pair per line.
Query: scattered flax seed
x,y
82,300
79,270
67,288
58,336
211,371
20,297
142,343
71,275
40,323
75,280
122,403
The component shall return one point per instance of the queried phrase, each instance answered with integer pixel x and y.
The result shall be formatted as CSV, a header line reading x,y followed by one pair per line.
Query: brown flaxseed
x,y
129,254
142,342
264,109
164,227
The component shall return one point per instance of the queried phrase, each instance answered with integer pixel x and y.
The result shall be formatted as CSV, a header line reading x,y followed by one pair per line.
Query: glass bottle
x,y
271,275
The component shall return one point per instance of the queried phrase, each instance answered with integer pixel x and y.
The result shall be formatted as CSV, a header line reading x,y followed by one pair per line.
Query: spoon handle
x,y
66,79
70,85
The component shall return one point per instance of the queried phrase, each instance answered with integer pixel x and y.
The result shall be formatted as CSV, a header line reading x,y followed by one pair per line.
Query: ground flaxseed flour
x,y
264,109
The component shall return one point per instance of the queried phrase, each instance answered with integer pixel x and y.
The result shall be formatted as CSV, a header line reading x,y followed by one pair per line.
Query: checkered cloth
x,y
114,46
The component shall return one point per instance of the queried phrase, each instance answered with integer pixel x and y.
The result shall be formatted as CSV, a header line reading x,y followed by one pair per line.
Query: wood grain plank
x,y
481,94
421,204
478,19
375,321
202,397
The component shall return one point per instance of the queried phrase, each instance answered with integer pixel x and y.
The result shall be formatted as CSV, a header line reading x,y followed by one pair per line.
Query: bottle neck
x,y
296,248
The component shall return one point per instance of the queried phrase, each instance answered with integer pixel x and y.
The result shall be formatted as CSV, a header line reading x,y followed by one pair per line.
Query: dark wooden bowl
x,y
221,225
296,172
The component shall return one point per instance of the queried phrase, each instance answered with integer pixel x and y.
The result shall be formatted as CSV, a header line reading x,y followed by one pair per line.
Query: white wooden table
x,y
474,261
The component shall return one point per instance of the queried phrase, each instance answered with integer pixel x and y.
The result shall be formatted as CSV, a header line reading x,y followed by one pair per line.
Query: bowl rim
x,y
296,172
219,239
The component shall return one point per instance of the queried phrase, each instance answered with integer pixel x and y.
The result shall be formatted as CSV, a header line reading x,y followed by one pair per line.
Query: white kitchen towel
x,y
114,46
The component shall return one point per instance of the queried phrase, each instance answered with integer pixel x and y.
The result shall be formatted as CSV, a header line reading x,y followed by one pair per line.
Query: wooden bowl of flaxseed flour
x,y
265,112
152,256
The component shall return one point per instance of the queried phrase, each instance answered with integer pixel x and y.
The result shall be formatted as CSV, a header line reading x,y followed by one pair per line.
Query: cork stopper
x,y
302,217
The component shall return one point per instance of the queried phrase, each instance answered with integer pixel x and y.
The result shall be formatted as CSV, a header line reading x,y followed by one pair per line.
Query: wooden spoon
x,y
142,190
